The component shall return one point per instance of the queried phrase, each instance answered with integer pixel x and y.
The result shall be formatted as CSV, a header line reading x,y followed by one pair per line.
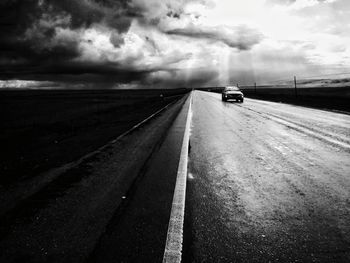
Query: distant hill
x,y
324,83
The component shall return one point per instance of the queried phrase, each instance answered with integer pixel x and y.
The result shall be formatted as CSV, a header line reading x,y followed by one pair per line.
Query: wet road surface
x,y
268,182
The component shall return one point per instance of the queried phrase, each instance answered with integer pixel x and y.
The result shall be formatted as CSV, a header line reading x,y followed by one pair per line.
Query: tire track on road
x,y
333,139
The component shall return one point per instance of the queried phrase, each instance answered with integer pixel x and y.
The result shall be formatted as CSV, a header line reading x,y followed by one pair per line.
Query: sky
x,y
170,43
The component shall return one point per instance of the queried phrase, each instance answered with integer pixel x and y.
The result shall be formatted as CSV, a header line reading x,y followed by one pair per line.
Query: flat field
x,y
43,129
336,98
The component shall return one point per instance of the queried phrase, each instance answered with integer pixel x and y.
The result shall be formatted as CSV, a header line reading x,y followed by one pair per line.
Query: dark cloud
x,y
117,40
173,14
60,40
42,36
177,78
78,72
154,11
241,37
43,16
114,13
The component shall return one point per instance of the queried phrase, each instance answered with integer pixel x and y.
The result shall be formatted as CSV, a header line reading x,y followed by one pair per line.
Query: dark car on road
x,y
232,93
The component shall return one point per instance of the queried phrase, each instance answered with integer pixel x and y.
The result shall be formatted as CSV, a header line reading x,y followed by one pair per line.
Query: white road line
x,y
173,246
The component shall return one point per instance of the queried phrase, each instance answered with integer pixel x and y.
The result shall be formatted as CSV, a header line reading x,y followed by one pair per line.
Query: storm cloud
x,y
38,30
241,37
164,42
76,37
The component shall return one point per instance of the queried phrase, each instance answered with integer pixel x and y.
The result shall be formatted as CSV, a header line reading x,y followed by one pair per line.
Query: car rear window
x,y
231,88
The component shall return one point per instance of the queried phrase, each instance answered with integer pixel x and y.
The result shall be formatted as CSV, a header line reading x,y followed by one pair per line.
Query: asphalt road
x,y
267,182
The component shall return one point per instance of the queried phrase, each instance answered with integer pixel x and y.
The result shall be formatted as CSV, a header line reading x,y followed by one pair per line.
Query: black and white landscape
x,y
117,143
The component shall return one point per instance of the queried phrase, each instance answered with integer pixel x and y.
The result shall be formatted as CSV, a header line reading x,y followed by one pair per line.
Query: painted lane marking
x,y
173,246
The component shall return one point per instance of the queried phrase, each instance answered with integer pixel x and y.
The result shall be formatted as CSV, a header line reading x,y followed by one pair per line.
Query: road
x,y
267,182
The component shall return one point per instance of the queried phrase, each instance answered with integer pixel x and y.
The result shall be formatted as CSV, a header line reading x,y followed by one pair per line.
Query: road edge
x,y
174,240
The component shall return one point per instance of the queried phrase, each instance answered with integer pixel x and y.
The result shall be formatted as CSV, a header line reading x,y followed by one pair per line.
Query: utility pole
x,y
255,88
295,87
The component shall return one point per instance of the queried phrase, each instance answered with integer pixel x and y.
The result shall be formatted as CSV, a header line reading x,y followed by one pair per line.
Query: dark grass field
x,y
43,129
333,98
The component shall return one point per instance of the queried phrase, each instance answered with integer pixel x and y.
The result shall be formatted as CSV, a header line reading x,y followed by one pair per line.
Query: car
x,y
232,92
